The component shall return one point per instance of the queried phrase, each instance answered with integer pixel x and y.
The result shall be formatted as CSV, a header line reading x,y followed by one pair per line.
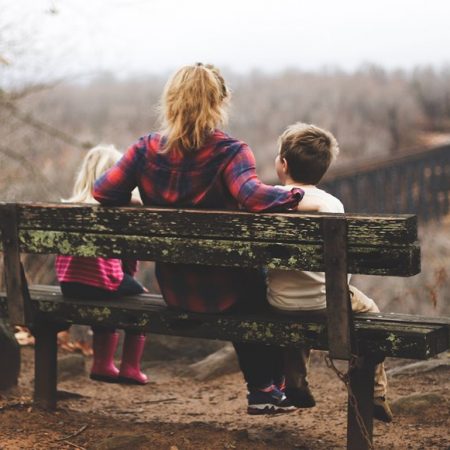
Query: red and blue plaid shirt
x,y
220,175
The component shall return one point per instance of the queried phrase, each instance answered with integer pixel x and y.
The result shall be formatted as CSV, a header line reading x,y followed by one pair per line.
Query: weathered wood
x,y
10,354
45,366
361,383
411,318
376,245
148,313
339,310
16,285
384,260
363,229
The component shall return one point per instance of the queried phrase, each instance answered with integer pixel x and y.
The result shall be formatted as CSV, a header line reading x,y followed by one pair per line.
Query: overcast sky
x,y
141,36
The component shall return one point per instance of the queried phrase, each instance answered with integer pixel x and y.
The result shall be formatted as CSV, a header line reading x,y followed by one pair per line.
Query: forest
x,y
371,111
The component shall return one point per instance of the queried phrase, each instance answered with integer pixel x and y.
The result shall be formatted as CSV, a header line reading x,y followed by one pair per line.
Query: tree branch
x,y
50,130
45,184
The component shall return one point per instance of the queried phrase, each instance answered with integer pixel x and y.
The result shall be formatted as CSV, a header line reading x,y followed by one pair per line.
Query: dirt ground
x,y
177,413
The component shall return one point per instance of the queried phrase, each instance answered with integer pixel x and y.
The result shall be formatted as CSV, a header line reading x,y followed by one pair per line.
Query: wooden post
x,y
19,306
339,312
10,357
411,203
361,385
445,183
45,366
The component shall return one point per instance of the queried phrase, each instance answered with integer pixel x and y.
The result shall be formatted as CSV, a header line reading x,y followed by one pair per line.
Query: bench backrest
x,y
333,243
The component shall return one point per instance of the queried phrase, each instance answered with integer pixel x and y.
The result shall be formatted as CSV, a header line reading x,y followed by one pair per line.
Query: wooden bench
x,y
333,243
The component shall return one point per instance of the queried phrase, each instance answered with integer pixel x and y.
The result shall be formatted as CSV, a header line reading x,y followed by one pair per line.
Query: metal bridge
x,y
417,182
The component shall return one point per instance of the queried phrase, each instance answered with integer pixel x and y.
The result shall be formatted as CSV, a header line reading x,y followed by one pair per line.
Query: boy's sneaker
x,y
268,401
300,397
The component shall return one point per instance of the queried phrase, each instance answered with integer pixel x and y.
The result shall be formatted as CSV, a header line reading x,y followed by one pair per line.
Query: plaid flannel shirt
x,y
220,175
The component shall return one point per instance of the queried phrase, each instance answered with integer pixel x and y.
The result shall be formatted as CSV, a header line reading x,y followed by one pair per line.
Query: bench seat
x,y
395,335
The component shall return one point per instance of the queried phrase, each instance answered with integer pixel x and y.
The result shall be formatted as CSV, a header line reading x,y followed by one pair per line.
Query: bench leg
x,y
45,367
361,385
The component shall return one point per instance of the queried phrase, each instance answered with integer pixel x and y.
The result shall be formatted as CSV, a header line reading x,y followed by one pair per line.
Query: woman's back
x,y
194,165
190,179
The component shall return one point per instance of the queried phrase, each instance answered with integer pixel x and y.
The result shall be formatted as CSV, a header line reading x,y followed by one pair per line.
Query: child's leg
x,y
130,367
130,286
104,346
260,364
362,304
104,340
134,343
296,366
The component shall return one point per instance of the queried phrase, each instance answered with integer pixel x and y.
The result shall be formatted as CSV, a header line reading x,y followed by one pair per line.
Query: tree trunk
x,y
221,362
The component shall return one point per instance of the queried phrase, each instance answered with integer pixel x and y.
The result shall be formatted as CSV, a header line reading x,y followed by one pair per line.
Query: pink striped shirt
x,y
104,273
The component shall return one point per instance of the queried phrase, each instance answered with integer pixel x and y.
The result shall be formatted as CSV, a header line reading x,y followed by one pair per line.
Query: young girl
x,y
101,278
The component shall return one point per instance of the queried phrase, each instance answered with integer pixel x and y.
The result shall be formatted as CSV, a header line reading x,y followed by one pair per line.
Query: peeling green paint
x,y
292,261
38,240
394,340
143,321
257,331
48,307
99,314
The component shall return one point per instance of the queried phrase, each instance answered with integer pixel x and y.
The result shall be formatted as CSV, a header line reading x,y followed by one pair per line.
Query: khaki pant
x,y
297,359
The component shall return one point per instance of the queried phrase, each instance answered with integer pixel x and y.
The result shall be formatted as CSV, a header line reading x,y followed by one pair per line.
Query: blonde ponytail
x,y
193,105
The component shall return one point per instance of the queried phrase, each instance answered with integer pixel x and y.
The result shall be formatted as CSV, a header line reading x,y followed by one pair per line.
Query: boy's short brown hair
x,y
308,151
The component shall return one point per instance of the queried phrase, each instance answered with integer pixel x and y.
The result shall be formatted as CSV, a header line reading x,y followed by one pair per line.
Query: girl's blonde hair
x,y
96,162
193,105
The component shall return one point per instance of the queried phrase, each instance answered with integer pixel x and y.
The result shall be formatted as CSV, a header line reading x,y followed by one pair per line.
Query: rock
x,y
417,404
166,348
81,333
420,367
10,351
219,363
121,442
70,366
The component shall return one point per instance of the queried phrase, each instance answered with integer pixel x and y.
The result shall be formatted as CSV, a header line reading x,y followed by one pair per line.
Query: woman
x,y
191,163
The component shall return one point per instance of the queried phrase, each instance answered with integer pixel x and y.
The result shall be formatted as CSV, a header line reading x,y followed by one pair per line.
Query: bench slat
x,y
363,229
147,312
389,260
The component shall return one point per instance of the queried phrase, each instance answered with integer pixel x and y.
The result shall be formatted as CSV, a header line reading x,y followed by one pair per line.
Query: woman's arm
x,y
116,185
245,186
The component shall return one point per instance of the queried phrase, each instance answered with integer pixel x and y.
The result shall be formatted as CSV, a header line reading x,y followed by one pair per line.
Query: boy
x,y
305,154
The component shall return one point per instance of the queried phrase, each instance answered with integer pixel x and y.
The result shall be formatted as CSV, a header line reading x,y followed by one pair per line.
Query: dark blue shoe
x,y
300,397
268,401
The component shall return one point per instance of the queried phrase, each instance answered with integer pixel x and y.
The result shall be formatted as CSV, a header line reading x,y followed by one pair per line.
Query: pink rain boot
x,y
104,346
130,368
